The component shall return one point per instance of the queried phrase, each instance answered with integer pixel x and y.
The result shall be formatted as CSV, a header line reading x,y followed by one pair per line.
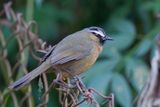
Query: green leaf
x,y
123,26
121,90
121,12
137,72
151,6
143,48
101,83
153,51
99,76
38,3
123,32
49,19
110,51
100,68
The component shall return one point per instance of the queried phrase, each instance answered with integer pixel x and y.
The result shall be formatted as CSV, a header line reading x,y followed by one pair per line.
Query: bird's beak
x,y
108,38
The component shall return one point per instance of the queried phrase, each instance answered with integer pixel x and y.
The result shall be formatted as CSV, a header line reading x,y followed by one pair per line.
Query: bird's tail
x,y
30,76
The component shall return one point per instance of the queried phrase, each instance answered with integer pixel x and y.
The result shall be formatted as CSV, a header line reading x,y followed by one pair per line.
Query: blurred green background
x,y
124,64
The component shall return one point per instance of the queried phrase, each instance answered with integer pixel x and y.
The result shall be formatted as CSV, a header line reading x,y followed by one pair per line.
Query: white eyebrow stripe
x,y
100,33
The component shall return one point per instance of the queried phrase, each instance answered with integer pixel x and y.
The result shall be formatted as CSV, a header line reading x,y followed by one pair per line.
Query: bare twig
x,y
150,96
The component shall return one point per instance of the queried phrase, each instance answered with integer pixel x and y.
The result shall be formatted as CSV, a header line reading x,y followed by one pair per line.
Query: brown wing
x,y
73,47
70,55
47,55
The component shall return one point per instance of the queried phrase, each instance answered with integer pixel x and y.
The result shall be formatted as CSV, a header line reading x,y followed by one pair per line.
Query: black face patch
x,y
102,41
99,32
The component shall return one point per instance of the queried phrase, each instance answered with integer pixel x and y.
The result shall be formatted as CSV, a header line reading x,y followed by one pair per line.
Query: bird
x,y
73,55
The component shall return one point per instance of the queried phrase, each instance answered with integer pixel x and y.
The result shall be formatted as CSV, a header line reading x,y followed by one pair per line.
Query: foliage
x,y
124,64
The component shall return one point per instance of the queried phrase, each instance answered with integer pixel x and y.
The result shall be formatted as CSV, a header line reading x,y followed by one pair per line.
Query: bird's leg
x,y
59,81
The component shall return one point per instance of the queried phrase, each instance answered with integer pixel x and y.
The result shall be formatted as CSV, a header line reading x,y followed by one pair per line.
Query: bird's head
x,y
99,32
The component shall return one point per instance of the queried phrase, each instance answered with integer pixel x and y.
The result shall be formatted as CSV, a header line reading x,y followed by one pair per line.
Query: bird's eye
x,y
96,34
97,31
